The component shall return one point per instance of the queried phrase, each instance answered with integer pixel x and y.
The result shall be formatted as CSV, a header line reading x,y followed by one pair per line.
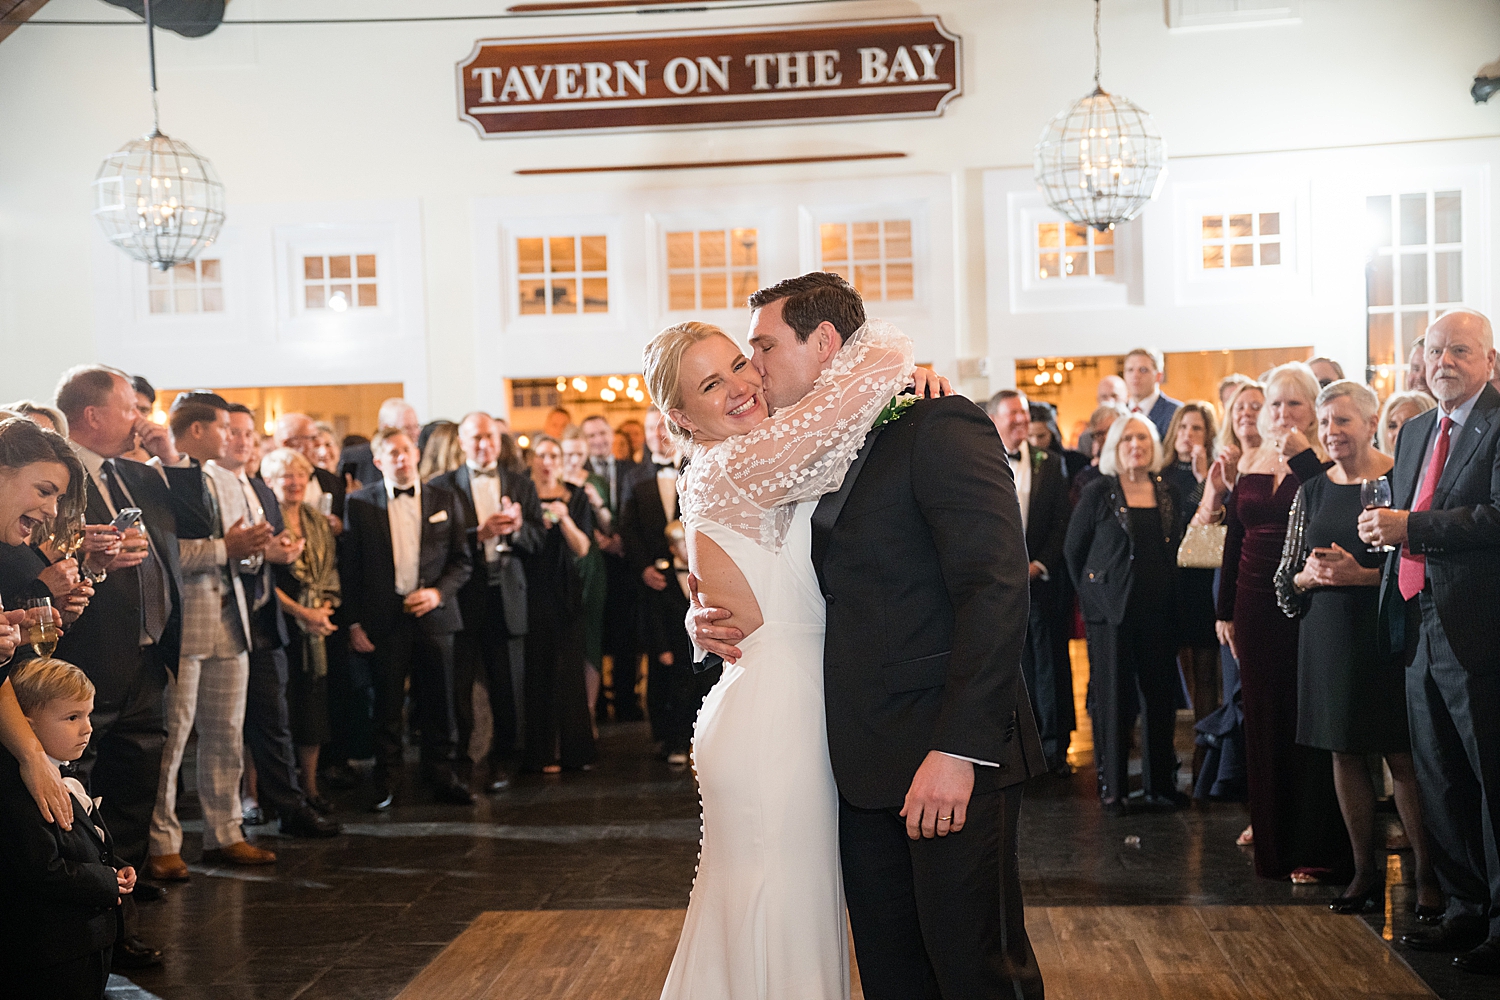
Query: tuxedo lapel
x,y
832,505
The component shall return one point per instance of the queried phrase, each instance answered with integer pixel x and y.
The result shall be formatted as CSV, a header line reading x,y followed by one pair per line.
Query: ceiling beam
x,y
14,12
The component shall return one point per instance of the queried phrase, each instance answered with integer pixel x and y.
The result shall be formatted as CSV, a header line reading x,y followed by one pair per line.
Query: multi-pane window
x,y
711,268
875,257
1072,250
562,275
1246,239
189,287
1415,269
340,282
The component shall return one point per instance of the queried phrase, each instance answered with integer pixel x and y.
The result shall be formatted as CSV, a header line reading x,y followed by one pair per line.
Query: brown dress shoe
x,y
167,868
239,854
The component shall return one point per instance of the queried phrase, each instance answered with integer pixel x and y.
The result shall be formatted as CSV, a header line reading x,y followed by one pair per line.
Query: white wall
x,y
311,120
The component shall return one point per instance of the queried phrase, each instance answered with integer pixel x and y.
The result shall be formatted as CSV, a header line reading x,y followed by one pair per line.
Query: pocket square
x,y
438,518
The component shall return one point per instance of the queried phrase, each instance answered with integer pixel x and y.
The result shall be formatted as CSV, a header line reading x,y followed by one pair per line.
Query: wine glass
x,y
1375,493
41,626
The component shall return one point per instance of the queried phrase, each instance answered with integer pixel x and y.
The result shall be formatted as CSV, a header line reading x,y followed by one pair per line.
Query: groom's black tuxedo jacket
x,y
923,565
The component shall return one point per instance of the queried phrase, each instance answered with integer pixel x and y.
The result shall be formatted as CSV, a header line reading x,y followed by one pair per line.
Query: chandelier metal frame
x,y
155,198
1100,161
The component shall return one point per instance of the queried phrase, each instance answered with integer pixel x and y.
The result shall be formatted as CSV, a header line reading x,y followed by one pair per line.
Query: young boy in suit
x,y
59,889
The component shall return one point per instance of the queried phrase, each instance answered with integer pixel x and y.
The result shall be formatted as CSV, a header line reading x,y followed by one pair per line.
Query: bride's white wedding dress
x,y
766,920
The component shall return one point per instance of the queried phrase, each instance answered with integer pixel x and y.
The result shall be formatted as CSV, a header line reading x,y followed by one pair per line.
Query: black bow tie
x,y
1014,456
410,491
68,769
493,472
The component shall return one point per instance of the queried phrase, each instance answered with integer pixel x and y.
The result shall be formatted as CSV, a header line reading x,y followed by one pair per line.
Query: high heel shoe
x,y
1364,902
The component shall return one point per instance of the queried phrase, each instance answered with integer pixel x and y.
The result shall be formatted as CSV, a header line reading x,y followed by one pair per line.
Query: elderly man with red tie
x,y
1446,569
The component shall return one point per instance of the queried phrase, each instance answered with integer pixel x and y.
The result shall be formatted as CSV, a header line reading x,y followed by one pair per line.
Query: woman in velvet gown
x,y
1294,810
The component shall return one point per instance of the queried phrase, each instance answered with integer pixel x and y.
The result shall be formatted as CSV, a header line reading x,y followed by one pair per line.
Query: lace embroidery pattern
x,y
751,483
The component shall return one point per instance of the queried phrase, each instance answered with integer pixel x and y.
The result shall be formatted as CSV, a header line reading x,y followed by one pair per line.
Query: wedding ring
x,y
945,819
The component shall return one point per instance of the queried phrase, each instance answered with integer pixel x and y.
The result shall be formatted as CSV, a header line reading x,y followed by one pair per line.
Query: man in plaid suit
x,y
213,668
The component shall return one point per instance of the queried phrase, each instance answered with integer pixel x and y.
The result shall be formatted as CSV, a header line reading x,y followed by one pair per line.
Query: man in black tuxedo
x,y
673,693
1042,489
358,461
502,523
1441,588
929,727
621,642
403,559
268,730
130,635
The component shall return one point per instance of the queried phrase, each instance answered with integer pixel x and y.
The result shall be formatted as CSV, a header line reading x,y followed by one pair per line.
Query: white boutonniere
x,y
894,409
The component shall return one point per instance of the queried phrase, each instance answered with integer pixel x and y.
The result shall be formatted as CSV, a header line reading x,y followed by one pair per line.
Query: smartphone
x,y
1325,554
126,519
350,469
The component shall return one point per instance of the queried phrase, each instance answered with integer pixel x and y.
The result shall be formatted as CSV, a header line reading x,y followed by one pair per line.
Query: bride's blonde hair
x,y
662,361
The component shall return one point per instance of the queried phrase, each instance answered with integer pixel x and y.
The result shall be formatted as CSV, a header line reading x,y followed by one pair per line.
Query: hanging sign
x,y
766,75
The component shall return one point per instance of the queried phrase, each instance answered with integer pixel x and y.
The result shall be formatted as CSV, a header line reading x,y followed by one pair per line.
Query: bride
x,y
766,918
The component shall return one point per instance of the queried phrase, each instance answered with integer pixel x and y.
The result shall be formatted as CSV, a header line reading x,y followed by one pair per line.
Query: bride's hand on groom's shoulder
x,y
705,634
928,383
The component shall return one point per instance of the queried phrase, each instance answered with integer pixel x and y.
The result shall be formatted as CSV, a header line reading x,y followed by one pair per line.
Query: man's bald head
x,y
479,437
1460,351
297,432
397,412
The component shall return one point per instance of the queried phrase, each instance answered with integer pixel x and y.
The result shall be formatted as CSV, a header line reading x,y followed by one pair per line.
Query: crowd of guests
x,y
303,605
1304,567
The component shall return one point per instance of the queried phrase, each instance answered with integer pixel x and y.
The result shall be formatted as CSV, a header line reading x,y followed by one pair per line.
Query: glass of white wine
x,y
1375,494
41,626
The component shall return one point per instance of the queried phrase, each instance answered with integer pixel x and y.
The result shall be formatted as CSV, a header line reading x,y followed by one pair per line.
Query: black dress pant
x,y
1134,664
407,650
76,979
622,640
673,692
1455,742
483,650
268,732
939,918
1049,674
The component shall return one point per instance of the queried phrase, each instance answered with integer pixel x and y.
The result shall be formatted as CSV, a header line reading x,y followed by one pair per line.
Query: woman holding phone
x,y
1351,699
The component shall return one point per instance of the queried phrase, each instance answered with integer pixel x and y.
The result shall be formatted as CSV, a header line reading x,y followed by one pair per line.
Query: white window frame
x,y
1185,15
882,261
545,324
1089,249
814,217
1428,250
575,274
1227,242
170,287
698,272
1029,292
328,281
1291,279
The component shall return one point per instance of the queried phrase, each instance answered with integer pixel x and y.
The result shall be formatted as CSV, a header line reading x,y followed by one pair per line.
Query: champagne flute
x,y
41,626
1376,493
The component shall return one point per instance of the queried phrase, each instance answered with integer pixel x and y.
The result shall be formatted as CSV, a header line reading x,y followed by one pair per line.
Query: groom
x,y
922,560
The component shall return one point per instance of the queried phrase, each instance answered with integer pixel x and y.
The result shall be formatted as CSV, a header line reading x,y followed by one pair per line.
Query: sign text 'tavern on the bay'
x,y
769,74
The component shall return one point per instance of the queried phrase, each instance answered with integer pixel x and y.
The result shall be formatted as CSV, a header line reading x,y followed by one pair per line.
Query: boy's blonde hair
x,y
39,681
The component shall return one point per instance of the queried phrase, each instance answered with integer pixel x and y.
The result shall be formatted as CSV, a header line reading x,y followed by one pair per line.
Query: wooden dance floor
x,y
1086,953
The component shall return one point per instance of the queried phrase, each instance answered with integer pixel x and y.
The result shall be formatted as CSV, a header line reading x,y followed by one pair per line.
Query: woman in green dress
x,y
591,568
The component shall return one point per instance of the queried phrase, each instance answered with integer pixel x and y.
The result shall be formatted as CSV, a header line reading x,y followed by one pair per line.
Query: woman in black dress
x,y
1190,442
1351,700
1122,556
559,729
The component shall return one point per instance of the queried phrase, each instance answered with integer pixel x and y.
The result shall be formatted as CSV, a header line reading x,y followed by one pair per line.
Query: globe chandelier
x,y
155,198
1100,161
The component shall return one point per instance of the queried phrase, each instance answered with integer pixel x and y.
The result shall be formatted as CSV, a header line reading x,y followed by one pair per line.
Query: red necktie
x,y
1414,568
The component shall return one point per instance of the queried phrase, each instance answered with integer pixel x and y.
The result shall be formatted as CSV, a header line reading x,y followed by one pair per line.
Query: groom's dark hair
x,y
813,298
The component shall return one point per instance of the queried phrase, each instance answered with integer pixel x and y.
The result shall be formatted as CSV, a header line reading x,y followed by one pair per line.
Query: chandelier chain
x,y
1097,49
151,53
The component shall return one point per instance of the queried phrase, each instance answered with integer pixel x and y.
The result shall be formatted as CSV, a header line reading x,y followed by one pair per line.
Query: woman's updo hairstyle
x,y
23,443
662,361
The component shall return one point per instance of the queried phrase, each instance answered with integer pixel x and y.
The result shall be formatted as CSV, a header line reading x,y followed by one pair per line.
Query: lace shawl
x,y
751,482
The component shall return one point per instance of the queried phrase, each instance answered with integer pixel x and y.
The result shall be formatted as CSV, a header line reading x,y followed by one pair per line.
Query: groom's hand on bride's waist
x,y
937,803
705,634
